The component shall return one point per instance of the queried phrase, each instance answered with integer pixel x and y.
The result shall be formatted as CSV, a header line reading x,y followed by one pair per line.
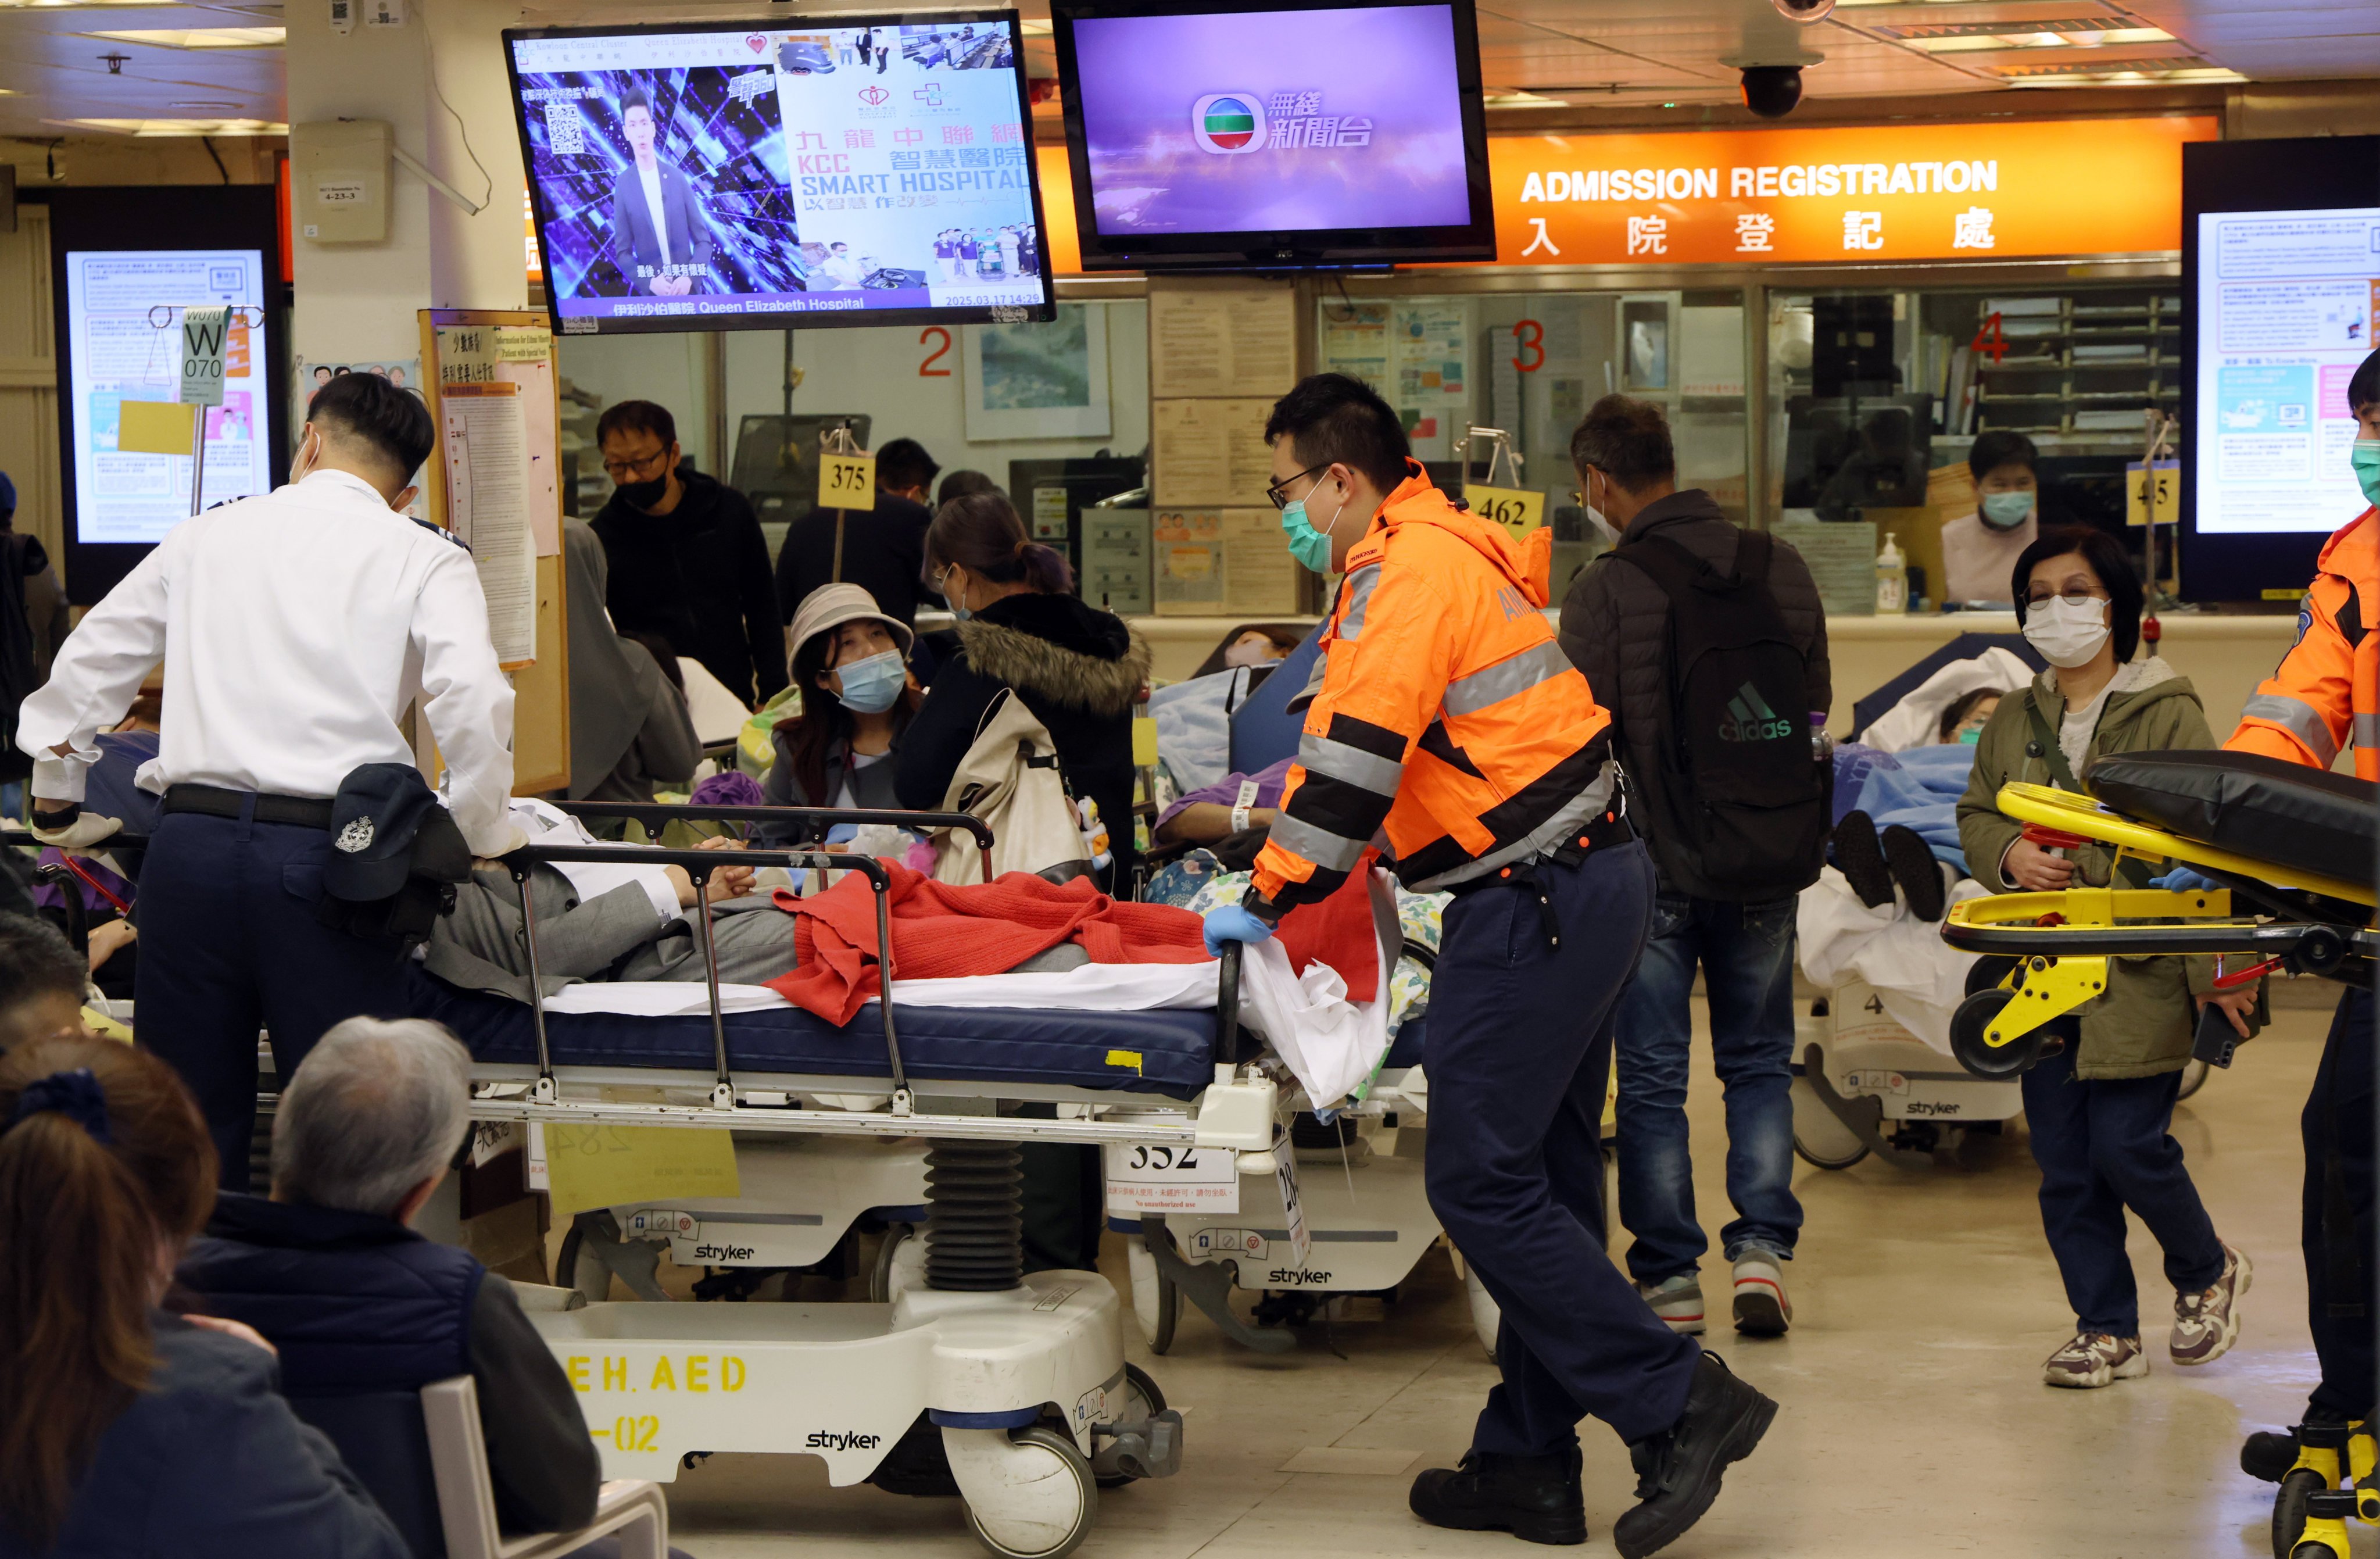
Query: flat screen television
x,y
2280,268
1333,133
760,174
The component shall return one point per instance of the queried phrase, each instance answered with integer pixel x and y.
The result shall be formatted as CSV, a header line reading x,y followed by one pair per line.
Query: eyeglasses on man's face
x,y
635,468
1278,493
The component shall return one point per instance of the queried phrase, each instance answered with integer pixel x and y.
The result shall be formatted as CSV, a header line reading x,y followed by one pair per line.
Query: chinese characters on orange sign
x,y
1857,193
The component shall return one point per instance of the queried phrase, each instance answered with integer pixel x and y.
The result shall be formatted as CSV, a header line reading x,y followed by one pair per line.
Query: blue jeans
x,y
1746,953
2103,1146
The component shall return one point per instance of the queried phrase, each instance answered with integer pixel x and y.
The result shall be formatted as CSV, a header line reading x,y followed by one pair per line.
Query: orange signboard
x,y
1822,195
1842,195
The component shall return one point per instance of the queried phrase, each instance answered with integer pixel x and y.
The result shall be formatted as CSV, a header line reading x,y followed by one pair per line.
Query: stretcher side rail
x,y
698,866
543,1098
664,813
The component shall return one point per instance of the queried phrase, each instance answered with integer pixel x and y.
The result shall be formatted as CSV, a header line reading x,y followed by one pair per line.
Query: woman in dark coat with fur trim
x,y
1077,668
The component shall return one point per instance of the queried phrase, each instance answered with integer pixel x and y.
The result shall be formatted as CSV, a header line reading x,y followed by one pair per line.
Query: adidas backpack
x,y
1738,809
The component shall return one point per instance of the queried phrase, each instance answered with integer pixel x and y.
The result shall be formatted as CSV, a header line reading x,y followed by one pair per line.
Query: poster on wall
x,y
123,317
1039,381
2288,303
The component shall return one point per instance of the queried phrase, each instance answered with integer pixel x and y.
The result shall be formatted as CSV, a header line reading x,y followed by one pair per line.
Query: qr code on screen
x,y
564,131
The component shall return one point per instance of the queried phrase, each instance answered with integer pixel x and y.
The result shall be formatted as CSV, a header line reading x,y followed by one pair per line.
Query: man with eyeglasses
x,y
689,562
1448,720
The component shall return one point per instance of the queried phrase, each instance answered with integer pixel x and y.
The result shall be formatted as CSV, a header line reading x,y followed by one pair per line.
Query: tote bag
x,y
1011,779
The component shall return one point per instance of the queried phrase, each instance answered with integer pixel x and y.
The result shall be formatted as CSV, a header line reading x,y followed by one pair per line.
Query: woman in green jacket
x,y
2099,1107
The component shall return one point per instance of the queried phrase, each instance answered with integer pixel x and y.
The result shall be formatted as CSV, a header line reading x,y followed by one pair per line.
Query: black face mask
x,y
644,495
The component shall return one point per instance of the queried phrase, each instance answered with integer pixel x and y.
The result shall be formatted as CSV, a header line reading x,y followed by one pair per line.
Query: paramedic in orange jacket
x,y
2325,696
1448,716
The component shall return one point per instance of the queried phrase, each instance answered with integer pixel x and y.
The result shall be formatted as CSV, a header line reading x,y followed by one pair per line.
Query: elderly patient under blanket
x,y
627,922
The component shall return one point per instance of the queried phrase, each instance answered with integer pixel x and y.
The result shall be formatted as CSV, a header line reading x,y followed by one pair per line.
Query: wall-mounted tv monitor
x,y
2281,284
757,174
119,296
1331,133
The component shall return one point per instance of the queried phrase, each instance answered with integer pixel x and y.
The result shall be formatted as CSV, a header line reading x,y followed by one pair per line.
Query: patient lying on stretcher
x,y
622,921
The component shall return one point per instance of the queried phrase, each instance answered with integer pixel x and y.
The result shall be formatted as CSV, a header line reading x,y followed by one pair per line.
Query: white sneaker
x,y
1678,1301
1761,1308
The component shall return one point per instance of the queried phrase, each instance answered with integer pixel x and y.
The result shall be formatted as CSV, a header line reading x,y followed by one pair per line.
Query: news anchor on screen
x,y
653,224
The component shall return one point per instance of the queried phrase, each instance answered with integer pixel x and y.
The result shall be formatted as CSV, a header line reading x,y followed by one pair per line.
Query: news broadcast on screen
x,y
744,177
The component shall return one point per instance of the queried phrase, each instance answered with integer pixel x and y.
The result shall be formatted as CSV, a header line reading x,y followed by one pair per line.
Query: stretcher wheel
x,y
1142,1399
2316,1550
1987,972
576,1267
2298,1485
1169,1315
880,1279
1820,1137
1973,1020
1047,1503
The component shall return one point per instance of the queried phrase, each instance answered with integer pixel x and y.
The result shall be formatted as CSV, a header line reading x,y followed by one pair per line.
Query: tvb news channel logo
x,y
1231,124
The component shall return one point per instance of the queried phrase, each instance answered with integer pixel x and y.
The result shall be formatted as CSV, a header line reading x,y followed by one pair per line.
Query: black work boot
x,y
1678,1469
1535,1498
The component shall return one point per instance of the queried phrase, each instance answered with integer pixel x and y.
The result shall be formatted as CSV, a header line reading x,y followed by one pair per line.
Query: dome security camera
x,y
1771,90
1803,11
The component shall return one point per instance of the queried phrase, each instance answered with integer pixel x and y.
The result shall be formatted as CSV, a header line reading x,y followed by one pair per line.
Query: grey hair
x,y
375,1109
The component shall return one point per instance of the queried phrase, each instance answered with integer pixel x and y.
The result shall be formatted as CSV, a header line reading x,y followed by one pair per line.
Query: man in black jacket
x,y
883,549
688,563
354,1301
1616,627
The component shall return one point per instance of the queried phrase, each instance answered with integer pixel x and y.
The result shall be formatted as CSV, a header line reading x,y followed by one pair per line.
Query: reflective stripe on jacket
x,y
2325,693
1447,711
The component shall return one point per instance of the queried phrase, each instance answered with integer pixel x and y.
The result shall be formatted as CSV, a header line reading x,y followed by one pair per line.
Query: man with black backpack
x,y
1708,644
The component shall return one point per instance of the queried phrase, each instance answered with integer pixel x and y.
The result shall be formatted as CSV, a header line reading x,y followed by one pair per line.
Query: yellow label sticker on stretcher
x,y
591,1166
1125,1058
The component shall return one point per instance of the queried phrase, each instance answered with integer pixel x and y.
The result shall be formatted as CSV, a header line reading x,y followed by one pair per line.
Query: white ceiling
x,y
1585,53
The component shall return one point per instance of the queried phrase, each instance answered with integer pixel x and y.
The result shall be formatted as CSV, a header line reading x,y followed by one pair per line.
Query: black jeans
x,y
2337,1212
2103,1146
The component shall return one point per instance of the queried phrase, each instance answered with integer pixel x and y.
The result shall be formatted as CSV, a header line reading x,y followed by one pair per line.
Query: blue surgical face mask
x,y
873,685
2365,458
2005,511
1309,546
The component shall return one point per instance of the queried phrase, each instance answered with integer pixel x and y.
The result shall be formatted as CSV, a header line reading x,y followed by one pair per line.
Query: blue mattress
x,y
1167,1053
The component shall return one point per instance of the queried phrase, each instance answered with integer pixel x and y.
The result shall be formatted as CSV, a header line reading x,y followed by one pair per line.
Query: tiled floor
x,y
1913,1418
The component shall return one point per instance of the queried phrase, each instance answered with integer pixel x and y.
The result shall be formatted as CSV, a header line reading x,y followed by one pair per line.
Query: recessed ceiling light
x,y
204,107
147,127
200,37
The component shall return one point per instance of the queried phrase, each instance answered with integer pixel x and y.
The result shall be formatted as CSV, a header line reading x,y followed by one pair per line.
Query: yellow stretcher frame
x,y
2065,966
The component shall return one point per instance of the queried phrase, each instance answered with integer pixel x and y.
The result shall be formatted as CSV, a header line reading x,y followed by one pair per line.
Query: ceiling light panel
x,y
149,128
199,36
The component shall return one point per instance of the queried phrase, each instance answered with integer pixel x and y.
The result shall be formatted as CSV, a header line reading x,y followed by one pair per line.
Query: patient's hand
x,y
727,882
2035,869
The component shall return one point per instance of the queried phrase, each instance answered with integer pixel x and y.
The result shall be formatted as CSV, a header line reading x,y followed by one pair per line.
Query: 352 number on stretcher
x,y
1162,1177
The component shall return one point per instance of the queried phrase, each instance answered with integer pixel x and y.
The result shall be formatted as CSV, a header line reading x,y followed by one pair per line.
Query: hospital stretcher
x,y
1023,1374
2292,852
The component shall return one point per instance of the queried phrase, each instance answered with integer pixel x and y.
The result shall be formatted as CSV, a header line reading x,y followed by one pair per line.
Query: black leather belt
x,y
302,812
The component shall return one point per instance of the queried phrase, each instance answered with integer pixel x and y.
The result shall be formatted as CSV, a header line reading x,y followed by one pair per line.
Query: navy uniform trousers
x,y
1520,1046
229,944
2337,1212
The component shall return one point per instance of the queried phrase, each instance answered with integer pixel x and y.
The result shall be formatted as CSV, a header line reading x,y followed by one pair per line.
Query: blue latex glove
x,y
1233,922
2182,880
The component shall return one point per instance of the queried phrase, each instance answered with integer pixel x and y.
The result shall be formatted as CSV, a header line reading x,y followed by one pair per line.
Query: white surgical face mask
x,y
2068,633
1609,531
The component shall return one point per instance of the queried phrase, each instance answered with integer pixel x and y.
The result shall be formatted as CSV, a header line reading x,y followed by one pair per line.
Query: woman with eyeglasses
x,y
2098,1106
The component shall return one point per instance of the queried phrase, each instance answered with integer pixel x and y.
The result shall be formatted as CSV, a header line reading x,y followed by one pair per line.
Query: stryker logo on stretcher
x,y
826,1439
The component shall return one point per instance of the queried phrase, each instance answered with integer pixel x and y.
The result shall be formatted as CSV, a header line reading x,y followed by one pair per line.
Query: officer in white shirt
x,y
296,628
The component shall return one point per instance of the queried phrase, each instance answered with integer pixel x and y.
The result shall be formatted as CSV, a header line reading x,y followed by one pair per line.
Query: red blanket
x,y
942,931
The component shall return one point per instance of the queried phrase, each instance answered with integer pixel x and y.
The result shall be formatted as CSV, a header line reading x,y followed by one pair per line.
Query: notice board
x,y
495,482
